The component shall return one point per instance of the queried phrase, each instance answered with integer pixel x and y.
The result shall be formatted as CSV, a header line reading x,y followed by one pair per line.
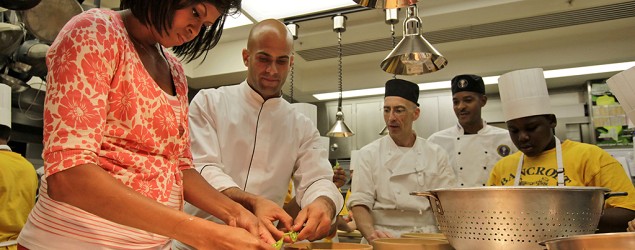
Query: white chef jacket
x,y
385,174
241,140
473,156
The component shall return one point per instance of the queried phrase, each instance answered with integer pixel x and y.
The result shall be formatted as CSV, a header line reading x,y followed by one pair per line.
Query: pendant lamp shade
x,y
385,4
339,128
413,55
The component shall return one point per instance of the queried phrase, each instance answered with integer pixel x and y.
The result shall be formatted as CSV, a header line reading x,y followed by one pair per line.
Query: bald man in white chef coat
x,y
389,168
472,145
248,142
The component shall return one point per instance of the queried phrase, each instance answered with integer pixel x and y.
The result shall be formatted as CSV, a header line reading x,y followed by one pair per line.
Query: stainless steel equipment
x,y
608,241
515,217
46,19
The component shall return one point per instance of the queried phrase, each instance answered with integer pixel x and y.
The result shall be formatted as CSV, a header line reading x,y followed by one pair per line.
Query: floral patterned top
x,y
102,107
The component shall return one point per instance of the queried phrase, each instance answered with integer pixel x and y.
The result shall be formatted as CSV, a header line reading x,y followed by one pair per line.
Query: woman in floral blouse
x,y
117,155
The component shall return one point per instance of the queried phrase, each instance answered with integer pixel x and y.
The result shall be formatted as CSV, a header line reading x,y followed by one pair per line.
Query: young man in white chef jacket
x,y
248,142
389,168
472,145
543,160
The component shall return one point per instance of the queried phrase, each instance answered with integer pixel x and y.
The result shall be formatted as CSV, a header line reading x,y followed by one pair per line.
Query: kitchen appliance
x,y
46,19
33,53
608,241
10,38
518,217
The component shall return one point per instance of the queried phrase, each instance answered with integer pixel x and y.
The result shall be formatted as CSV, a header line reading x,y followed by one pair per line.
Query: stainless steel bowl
x,y
515,217
609,241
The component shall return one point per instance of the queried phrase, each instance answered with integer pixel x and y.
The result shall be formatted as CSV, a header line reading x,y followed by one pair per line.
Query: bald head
x,y
269,29
268,57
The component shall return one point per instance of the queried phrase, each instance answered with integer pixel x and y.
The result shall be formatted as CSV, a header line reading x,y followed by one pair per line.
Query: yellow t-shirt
x,y
584,165
344,211
18,186
289,196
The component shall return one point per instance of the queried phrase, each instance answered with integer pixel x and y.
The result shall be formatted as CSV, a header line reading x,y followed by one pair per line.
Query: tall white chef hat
x,y
623,87
524,93
5,105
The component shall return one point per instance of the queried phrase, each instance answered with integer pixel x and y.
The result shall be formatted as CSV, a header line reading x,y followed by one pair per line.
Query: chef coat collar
x,y
394,148
254,96
460,131
395,151
5,147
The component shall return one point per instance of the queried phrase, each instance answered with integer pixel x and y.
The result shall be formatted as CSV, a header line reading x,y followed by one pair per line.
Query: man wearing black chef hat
x,y
544,161
472,145
387,169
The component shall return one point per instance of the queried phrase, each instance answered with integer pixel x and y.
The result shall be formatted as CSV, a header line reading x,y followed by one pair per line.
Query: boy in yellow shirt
x,y
544,161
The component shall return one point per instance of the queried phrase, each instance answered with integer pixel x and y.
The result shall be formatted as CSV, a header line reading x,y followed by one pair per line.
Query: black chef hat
x,y
404,89
472,83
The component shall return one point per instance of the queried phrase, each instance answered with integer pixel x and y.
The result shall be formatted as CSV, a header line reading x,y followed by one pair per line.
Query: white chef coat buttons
x,y
459,152
484,167
458,138
461,168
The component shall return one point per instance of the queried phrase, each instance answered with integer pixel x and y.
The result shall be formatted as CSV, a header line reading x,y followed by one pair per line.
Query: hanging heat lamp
x,y
339,128
414,55
385,4
392,17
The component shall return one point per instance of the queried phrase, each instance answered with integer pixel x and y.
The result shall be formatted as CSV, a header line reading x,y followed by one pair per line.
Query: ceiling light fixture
x,y
293,29
549,74
414,55
392,17
339,128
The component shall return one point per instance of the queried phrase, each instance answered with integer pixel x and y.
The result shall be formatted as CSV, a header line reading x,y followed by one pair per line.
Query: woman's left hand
x,y
241,217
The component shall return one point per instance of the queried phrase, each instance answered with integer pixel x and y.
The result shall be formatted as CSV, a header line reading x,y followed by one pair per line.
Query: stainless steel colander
x,y
515,217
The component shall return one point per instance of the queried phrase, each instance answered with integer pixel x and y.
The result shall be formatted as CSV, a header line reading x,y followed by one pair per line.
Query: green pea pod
x,y
278,244
293,235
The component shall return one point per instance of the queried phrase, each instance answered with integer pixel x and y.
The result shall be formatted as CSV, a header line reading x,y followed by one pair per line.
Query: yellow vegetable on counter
x,y
293,235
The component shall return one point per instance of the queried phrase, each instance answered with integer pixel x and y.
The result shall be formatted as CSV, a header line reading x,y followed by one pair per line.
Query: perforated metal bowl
x,y
515,217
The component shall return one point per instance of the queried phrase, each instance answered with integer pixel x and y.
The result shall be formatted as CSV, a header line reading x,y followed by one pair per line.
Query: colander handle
x,y
611,194
434,201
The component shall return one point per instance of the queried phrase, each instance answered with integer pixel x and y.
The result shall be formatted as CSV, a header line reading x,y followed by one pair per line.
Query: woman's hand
x,y
241,217
631,226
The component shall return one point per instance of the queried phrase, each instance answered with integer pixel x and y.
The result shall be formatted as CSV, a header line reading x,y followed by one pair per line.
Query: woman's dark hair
x,y
160,14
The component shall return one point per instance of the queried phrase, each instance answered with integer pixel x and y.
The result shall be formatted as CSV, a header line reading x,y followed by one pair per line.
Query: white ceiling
x,y
563,47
